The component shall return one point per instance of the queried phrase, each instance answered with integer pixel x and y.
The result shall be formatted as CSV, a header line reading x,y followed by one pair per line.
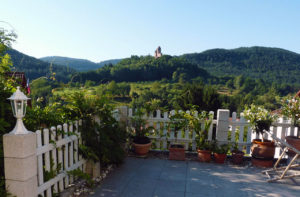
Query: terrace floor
x,y
162,178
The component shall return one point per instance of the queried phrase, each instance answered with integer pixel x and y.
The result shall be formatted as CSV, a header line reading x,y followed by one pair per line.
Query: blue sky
x,y
99,30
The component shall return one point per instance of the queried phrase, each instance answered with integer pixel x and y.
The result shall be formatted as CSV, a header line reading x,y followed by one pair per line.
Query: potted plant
x,y
195,123
220,152
139,130
263,150
178,122
291,109
204,151
237,156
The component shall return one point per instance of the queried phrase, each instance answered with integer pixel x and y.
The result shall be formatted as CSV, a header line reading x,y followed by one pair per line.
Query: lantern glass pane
x,y
13,107
19,108
24,107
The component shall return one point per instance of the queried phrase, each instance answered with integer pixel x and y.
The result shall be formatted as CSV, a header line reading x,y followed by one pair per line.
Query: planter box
x,y
220,158
293,141
237,157
177,152
204,155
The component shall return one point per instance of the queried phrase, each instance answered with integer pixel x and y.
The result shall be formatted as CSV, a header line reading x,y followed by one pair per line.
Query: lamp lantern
x,y
18,103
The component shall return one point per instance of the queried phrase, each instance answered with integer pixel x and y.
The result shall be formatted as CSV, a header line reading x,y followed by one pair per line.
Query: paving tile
x,y
170,186
140,187
106,193
162,193
173,175
200,186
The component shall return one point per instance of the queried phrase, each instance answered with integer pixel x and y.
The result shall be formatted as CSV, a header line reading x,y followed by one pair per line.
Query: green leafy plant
x,y
291,109
260,119
138,127
235,147
53,172
77,173
102,136
178,121
220,149
200,123
44,117
87,152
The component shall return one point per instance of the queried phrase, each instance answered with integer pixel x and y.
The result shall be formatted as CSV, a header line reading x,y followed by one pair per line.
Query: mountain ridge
x,y
35,68
272,64
77,63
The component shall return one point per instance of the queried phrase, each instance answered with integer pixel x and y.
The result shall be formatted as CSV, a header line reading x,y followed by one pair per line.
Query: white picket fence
x,y
57,149
238,131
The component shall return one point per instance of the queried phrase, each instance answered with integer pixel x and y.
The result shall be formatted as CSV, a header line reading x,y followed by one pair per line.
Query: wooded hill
x,y
146,68
78,64
270,64
35,68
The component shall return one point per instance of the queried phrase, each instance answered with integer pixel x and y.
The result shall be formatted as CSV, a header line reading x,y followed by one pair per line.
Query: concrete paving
x,y
153,177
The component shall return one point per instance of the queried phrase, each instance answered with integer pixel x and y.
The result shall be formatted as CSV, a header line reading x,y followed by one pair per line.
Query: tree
x,y
6,89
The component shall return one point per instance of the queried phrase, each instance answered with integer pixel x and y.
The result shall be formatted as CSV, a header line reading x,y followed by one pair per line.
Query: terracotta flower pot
x,y
220,158
293,141
177,152
204,155
263,150
262,163
237,157
142,149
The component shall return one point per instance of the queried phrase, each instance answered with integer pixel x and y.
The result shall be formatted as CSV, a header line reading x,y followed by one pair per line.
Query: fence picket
x,y
66,153
40,159
193,141
76,143
47,157
53,152
71,152
157,135
241,134
233,127
210,132
60,156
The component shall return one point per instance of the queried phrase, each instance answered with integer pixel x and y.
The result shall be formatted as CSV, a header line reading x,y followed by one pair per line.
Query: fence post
x,y
222,126
123,113
20,163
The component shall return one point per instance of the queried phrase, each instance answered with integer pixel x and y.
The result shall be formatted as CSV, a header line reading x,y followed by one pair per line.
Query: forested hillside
x,y
107,62
270,64
146,68
35,68
78,64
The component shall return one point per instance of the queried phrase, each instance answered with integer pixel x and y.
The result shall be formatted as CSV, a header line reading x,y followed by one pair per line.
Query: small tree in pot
x,y
201,124
178,122
139,132
260,119
291,109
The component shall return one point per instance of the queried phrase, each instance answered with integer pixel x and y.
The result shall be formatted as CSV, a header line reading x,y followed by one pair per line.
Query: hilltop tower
x,y
157,52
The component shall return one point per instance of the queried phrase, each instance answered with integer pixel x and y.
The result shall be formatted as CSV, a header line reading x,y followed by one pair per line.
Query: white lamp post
x,y
18,103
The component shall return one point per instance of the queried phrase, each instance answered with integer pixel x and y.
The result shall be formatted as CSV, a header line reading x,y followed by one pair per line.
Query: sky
x,y
99,30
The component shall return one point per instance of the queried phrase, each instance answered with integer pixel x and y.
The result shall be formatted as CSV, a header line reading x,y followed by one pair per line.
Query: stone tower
x,y
157,52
